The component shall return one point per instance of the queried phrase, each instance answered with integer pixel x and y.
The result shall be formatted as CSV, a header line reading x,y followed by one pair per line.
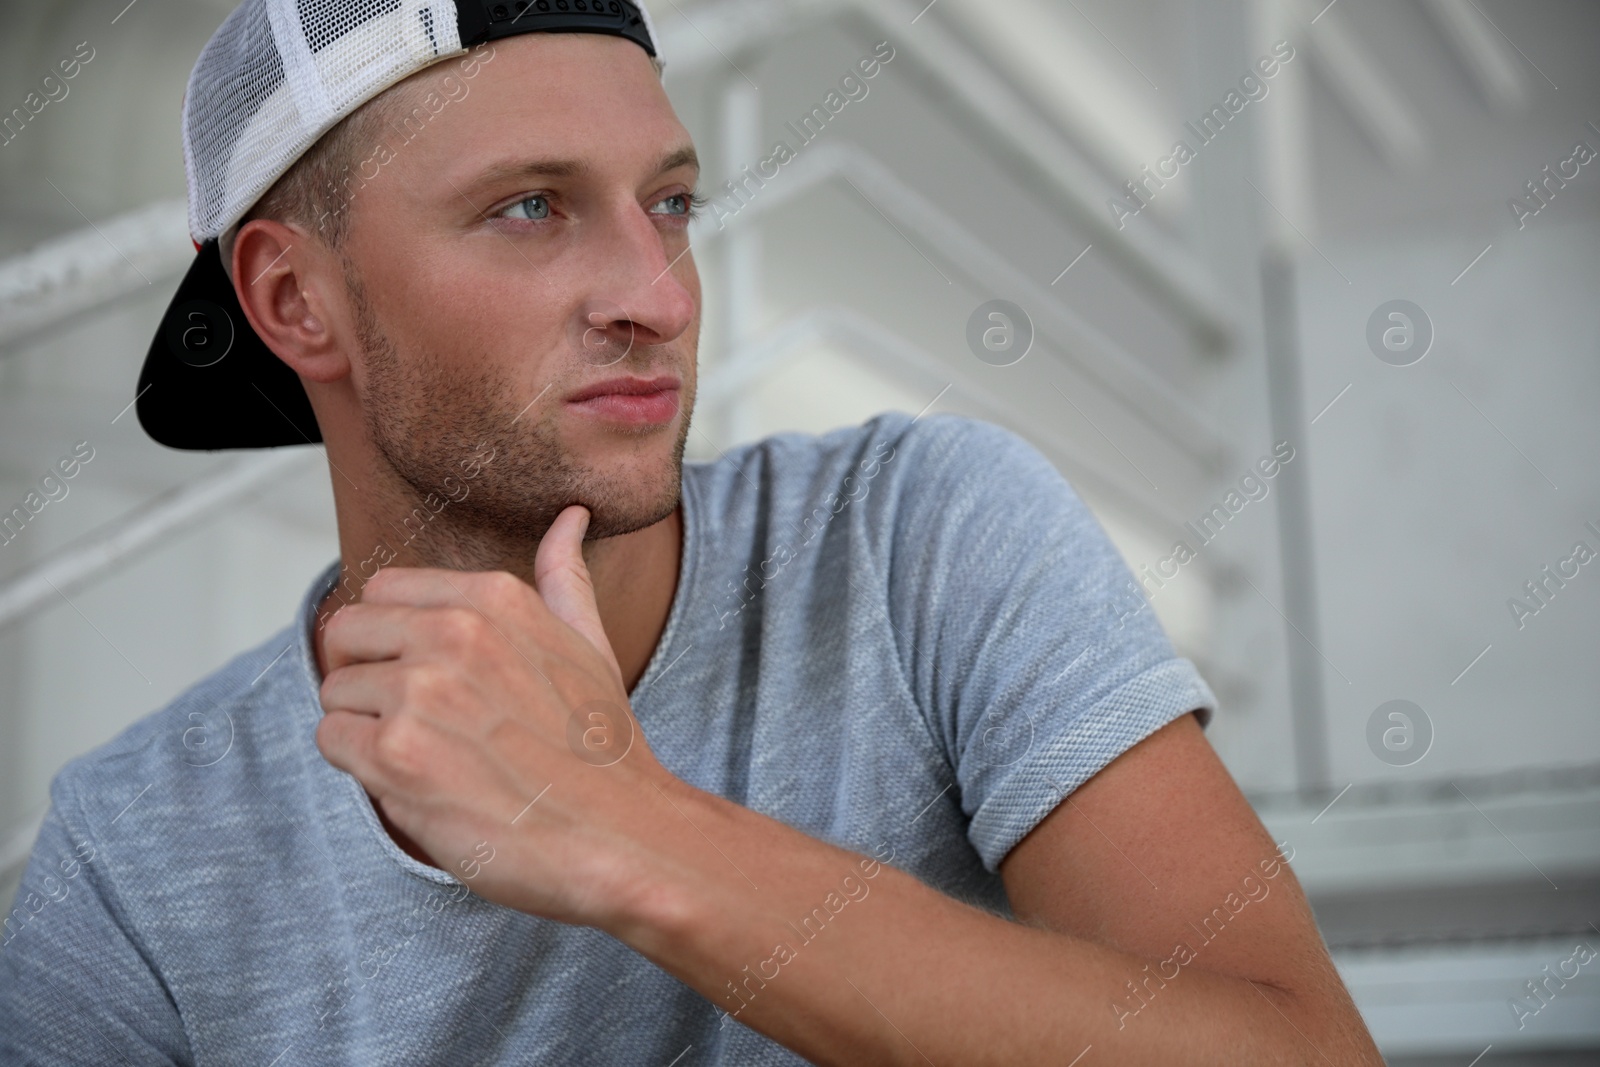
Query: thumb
x,y
563,582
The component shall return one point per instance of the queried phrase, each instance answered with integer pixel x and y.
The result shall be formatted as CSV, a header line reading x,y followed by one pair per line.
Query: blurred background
x,y
1377,253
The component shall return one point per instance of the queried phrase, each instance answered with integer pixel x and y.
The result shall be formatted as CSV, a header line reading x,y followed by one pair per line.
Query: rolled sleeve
x,y
1020,800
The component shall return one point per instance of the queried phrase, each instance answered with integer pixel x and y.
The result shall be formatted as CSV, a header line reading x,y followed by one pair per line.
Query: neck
x,y
635,575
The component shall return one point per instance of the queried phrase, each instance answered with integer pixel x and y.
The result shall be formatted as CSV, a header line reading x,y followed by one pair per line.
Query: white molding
x,y
1453,999
1352,846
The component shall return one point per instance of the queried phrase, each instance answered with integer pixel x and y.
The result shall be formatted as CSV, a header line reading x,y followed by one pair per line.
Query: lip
x,y
629,400
625,387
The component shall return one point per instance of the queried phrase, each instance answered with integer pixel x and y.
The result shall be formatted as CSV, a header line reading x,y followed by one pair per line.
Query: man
x,y
582,755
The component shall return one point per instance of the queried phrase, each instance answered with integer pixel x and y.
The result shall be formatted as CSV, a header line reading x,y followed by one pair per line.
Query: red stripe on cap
x,y
196,245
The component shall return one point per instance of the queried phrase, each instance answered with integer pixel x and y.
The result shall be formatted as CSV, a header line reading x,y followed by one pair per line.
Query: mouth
x,y
635,401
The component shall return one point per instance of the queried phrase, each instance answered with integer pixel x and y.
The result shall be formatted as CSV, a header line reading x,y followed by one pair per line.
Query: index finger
x,y
438,587
420,587
365,632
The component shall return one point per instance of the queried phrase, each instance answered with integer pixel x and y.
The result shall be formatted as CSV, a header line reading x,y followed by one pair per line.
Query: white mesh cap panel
x,y
278,74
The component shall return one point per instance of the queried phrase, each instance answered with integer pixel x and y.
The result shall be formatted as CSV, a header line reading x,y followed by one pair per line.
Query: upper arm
x,y
1045,675
1160,849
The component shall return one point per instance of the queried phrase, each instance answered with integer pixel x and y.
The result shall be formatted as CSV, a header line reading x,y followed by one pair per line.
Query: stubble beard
x,y
426,417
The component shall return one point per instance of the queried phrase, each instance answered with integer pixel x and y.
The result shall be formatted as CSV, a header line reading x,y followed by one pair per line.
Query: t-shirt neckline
x,y
354,796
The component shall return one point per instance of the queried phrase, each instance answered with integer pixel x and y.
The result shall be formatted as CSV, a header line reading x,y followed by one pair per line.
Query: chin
x,y
633,490
612,517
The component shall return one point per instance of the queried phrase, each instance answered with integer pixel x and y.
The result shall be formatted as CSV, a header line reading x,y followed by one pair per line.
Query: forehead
x,y
581,96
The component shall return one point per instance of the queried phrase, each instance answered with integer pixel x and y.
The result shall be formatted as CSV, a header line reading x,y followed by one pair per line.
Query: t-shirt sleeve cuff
x,y
1046,775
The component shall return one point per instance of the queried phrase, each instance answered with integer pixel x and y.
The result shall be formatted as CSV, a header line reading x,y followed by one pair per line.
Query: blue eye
x,y
532,208
683,205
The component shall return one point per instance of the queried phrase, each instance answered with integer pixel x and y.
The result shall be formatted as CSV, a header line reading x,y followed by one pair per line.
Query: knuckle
x,y
400,747
458,627
338,622
502,586
420,687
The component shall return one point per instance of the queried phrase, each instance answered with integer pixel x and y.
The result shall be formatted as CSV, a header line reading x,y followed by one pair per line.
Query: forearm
x,y
896,972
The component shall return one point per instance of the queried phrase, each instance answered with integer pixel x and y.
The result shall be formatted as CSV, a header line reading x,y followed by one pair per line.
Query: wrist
x,y
667,898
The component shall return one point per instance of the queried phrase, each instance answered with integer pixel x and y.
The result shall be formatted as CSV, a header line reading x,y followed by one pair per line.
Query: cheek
x,y
476,327
439,293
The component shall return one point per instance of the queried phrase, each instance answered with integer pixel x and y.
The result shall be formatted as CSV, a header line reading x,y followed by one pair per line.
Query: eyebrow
x,y
682,157
568,168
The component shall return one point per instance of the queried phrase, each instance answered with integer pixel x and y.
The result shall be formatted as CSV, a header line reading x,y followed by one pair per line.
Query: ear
x,y
286,282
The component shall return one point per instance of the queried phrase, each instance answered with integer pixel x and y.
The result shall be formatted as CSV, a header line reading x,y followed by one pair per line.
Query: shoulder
x,y
929,491
231,718
893,454
940,438
897,503
958,490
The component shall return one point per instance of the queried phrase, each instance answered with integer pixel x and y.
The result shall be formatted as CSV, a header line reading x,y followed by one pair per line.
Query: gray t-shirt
x,y
904,638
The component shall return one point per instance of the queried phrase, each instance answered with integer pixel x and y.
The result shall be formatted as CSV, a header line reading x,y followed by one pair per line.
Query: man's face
x,y
526,246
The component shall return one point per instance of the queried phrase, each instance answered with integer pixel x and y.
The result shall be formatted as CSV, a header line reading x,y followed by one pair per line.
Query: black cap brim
x,y
209,382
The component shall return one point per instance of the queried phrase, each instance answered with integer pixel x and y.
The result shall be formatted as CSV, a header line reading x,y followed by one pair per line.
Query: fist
x,y
489,721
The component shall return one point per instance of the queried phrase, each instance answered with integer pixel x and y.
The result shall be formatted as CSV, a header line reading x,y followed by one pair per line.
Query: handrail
x,y
141,529
78,271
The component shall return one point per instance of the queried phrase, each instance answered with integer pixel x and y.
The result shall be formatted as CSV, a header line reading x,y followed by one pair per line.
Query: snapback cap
x,y
275,77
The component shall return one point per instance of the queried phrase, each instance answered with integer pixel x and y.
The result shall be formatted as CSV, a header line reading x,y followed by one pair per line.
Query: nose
x,y
636,298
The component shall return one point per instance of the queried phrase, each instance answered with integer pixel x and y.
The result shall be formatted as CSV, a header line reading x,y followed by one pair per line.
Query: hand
x,y
490,722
